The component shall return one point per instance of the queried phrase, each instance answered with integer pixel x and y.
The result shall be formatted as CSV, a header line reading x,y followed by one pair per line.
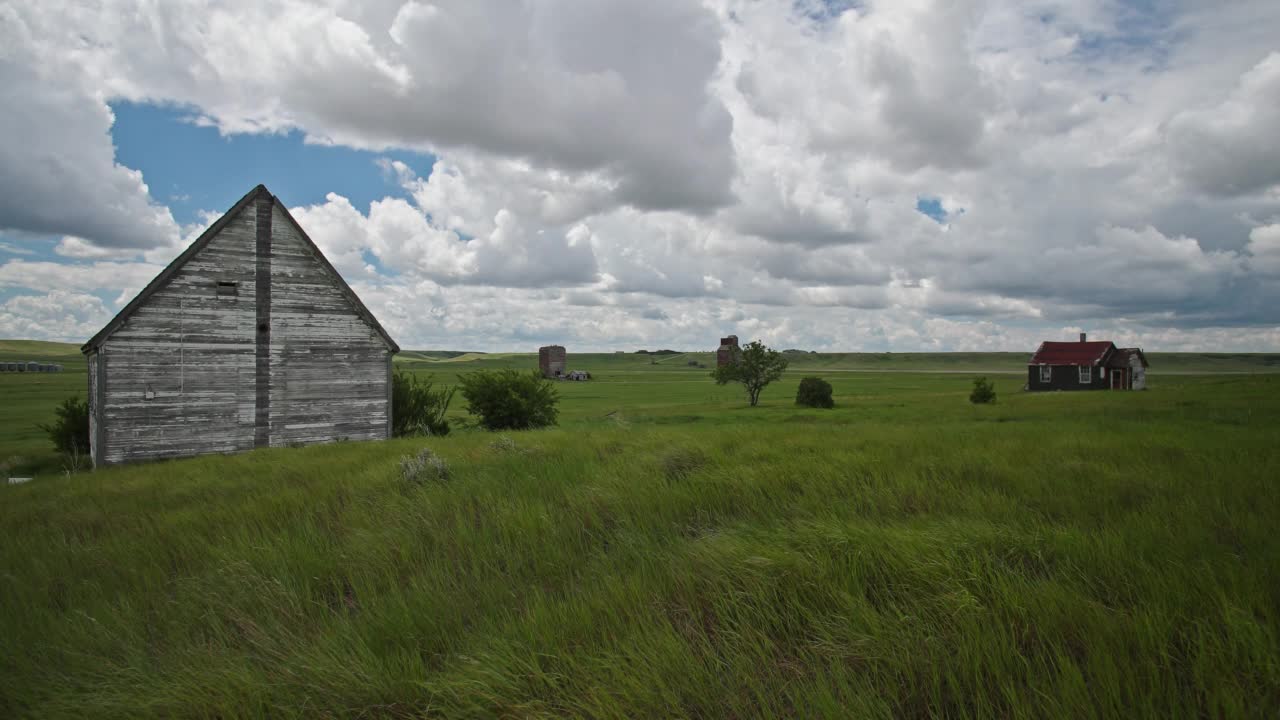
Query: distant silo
x,y
33,366
727,351
552,360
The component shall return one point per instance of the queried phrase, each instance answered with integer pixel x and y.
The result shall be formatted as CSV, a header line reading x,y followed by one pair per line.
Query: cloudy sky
x,y
612,174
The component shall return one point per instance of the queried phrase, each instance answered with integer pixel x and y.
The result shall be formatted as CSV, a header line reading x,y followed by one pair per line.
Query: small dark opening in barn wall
x,y
262,327
228,288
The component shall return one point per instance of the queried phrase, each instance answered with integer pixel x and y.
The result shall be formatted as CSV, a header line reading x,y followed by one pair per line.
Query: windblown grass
x,y
904,555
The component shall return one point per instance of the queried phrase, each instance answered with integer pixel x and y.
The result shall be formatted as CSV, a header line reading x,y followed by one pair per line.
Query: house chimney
x,y
1082,337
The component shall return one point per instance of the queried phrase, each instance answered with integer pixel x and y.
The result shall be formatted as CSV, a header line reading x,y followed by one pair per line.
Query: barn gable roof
x,y
1072,353
159,281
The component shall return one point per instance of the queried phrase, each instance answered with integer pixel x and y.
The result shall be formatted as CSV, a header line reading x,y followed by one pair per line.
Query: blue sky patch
x,y
824,10
192,168
932,207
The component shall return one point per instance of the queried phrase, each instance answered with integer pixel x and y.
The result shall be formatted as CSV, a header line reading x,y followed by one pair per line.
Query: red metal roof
x,y
1071,353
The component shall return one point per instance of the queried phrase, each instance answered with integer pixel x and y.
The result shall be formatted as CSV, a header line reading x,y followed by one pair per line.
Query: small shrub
x,y
503,445
984,391
10,465
815,392
424,467
417,408
680,463
70,432
510,400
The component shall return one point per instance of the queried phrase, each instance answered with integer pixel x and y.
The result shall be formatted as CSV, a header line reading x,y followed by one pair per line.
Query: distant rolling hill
x,y
69,355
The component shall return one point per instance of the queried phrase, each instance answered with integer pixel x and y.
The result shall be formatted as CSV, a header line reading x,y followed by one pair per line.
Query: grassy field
x,y
670,552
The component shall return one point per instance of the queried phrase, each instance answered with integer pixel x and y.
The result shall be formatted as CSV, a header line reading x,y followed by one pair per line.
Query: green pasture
x,y
669,552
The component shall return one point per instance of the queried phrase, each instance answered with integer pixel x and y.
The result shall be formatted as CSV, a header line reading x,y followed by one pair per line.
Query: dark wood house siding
x,y
250,338
328,366
1066,377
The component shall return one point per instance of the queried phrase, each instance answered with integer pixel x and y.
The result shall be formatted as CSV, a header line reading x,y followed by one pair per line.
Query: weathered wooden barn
x,y
1085,365
248,339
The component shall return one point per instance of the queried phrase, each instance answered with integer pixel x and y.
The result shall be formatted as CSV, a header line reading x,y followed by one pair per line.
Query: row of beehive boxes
x,y
29,366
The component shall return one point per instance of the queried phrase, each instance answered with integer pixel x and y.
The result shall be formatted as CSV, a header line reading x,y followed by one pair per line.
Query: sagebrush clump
x,y
505,445
984,391
424,467
680,463
815,392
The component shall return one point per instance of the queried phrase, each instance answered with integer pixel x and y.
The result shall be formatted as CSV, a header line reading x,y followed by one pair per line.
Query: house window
x,y
1046,373
1086,374
227,288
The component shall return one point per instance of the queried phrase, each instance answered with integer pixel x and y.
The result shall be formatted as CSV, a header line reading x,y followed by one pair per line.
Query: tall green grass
x,y
904,555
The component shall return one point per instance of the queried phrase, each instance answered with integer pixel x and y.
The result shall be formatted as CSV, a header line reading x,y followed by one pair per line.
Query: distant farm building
x,y
728,350
551,361
248,339
30,367
1085,365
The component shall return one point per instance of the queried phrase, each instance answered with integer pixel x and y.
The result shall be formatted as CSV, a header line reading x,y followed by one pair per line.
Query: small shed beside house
x,y
1086,365
249,338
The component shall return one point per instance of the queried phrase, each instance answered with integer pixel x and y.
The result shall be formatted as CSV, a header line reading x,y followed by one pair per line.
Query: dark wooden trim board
x,y
262,332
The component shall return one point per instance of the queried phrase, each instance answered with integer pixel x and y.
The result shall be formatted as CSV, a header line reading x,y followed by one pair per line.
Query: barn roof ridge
x,y
165,275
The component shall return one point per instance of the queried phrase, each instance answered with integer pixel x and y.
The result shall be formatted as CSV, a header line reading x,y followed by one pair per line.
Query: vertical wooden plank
x,y
97,451
262,342
390,355
91,363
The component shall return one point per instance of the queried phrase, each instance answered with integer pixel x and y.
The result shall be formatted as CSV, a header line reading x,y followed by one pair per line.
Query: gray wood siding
x,y
328,366
95,406
290,357
194,349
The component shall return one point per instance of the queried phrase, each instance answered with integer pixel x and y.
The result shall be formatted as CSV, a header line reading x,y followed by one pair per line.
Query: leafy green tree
x,y
815,392
510,400
417,408
984,391
753,365
70,432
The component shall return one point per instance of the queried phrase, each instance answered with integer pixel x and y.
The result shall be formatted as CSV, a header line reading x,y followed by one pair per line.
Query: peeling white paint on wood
x,y
195,346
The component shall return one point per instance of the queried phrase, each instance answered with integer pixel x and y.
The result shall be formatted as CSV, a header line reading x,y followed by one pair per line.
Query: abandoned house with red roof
x,y
249,338
1084,365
